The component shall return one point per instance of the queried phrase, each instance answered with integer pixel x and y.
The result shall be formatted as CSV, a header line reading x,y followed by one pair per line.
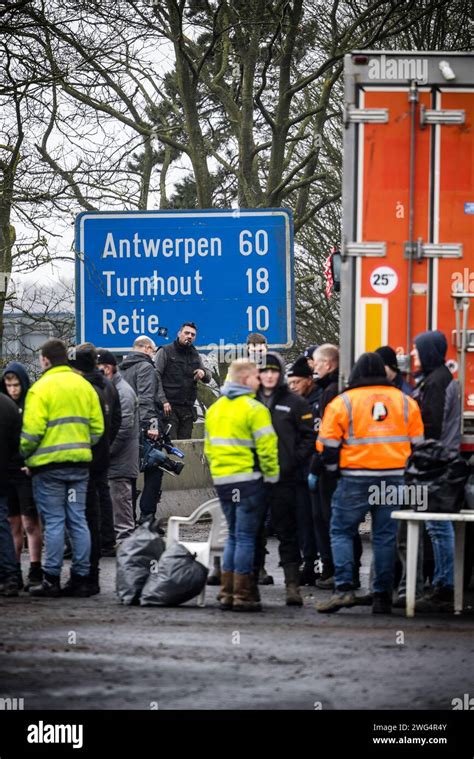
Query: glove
x,y
312,482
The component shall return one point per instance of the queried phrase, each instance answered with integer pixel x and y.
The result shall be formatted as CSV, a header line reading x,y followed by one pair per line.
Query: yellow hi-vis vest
x,y
236,430
62,419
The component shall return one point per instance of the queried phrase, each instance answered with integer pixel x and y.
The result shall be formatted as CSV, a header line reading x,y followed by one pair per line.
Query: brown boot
x,y
246,595
226,595
293,595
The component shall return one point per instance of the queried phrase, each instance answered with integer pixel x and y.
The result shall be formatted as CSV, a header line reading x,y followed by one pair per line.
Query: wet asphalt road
x,y
93,653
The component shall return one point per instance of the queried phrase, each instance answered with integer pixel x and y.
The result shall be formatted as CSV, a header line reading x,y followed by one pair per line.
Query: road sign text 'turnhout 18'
x,y
146,272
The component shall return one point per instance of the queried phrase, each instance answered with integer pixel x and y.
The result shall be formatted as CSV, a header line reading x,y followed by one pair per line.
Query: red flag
x,y
327,271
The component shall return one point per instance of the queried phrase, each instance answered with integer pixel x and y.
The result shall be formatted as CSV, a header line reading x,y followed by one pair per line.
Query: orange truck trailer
x,y
407,256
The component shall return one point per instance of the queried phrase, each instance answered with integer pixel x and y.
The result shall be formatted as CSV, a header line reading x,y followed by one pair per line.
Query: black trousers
x,y
305,522
280,498
151,492
182,421
93,520
107,531
321,501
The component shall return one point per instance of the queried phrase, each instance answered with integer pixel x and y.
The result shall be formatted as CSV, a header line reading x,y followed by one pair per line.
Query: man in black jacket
x,y
139,371
179,367
292,421
98,493
326,365
10,428
300,381
438,395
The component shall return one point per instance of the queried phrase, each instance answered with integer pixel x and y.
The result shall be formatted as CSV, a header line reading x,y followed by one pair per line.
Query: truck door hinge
x,y
353,115
421,249
428,116
364,249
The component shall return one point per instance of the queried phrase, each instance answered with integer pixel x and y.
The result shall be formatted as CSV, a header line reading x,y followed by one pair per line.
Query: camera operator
x,y
153,455
138,370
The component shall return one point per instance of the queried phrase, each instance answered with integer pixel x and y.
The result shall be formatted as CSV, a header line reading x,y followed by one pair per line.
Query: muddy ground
x,y
93,653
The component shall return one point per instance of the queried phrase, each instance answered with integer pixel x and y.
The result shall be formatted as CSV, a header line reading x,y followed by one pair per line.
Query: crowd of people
x,y
294,447
70,454
290,452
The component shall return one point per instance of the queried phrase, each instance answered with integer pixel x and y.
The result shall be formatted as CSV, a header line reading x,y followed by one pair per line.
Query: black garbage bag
x,y
137,556
177,578
442,472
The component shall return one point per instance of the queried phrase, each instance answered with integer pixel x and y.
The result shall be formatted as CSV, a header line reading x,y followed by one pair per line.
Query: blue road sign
x,y
146,272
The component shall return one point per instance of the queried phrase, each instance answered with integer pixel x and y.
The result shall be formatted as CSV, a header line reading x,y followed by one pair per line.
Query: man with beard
x,y
179,367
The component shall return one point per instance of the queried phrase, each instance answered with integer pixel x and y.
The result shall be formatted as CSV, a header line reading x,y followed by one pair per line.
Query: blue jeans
x,y
243,519
8,565
350,504
442,539
60,496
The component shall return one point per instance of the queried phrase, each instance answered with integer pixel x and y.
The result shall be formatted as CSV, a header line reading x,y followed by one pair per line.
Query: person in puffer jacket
x,y
242,449
438,395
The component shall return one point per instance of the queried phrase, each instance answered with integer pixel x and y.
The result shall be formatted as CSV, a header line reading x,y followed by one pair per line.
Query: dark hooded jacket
x,y
110,405
14,367
293,423
328,388
437,392
10,427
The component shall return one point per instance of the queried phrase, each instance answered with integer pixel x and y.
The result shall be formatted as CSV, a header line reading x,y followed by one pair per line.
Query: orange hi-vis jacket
x,y
374,427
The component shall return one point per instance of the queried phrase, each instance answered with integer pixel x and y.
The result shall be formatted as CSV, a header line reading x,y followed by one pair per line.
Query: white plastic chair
x,y
205,551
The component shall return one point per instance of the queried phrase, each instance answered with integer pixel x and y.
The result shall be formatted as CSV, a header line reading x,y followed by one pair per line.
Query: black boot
x,y
307,573
93,582
35,575
262,578
214,576
9,586
77,586
49,587
382,603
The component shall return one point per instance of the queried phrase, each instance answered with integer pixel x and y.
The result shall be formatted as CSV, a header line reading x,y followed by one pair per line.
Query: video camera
x,y
154,456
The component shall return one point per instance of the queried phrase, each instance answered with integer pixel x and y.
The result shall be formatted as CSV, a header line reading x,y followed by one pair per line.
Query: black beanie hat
x,y
271,361
389,357
85,360
369,365
300,368
105,357
308,353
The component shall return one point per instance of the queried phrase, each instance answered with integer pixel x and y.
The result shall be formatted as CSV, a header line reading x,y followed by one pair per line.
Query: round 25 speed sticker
x,y
384,280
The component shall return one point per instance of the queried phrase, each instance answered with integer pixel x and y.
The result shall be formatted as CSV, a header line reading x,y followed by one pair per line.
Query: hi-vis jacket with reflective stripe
x,y
374,427
62,419
237,428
